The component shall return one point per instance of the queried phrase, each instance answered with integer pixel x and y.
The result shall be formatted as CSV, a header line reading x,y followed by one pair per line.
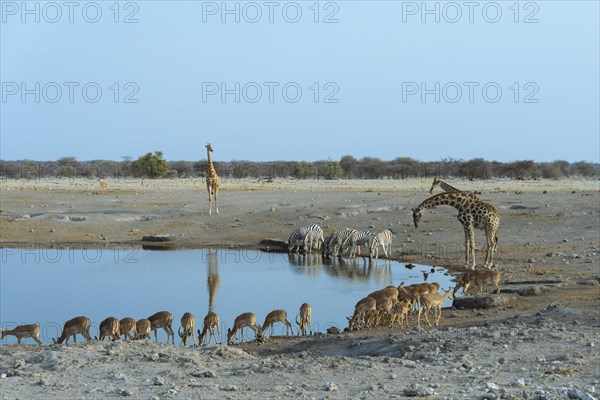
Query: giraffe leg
x,y
216,190
467,246
472,246
209,200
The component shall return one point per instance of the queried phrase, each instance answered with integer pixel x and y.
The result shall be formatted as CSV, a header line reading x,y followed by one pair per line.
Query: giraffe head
x,y
417,214
209,147
435,183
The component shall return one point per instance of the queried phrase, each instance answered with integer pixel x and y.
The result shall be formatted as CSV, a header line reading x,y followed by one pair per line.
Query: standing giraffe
x,y
472,213
212,182
448,188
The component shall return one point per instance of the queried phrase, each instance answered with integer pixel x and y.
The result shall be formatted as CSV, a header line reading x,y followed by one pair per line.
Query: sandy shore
x,y
542,343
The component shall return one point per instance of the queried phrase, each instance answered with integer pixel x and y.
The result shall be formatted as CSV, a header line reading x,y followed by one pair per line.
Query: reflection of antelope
x,y
187,324
211,321
277,316
245,320
162,319
305,314
24,331
72,327
109,327
142,328
126,326
103,184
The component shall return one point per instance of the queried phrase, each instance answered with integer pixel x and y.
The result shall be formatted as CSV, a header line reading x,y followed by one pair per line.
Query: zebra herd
x,y
340,242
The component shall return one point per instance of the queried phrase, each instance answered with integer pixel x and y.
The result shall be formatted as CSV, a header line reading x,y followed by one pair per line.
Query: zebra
x,y
306,236
335,243
356,239
383,239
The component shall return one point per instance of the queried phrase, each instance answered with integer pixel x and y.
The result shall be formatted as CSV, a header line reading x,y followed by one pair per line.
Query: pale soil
x,y
543,346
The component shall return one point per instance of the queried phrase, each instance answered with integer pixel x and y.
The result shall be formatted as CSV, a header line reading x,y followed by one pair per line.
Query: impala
x,y
24,331
430,301
72,327
478,278
211,321
126,326
305,314
245,320
162,319
277,316
188,321
142,329
109,327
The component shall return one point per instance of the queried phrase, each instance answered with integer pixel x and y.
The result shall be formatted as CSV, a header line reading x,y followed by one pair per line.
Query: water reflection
x,y
74,283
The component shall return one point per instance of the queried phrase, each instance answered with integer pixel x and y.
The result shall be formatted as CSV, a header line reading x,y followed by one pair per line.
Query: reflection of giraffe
x,y
214,278
472,213
213,182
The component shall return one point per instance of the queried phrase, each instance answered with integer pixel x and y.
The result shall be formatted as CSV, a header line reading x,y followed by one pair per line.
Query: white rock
x,y
330,386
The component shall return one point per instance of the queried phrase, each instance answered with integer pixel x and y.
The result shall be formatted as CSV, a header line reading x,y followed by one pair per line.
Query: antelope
x,y
211,321
109,327
162,319
401,309
245,320
24,331
277,316
126,325
142,329
415,291
429,301
72,327
383,307
365,309
305,314
103,184
188,321
478,278
144,183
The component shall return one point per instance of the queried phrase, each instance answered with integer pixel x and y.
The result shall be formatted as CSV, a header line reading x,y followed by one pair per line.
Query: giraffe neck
x,y
211,167
448,188
453,199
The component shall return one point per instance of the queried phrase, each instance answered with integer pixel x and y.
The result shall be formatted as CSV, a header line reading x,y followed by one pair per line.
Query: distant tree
x,y
348,164
332,170
302,170
371,168
150,165
586,169
184,168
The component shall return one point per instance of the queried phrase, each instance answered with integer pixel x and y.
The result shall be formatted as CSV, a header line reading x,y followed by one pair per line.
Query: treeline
x,y
154,166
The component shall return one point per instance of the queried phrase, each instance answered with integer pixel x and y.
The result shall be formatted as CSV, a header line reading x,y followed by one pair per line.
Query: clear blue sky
x,y
376,60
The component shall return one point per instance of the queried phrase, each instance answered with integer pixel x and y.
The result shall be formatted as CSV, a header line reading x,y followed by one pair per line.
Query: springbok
x,y
478,278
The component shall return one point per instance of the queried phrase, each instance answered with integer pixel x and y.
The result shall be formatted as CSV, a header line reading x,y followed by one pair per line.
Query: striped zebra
x,y
307,236
357,239
383,239
335,243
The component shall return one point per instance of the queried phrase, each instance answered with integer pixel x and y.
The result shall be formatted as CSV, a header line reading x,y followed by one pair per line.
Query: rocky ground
x,y
539,342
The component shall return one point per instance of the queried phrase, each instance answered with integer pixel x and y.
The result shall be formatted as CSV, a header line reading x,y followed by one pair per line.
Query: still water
x,y
49,286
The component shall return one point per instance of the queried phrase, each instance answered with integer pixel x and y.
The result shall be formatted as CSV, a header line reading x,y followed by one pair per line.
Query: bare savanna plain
x,y
541,342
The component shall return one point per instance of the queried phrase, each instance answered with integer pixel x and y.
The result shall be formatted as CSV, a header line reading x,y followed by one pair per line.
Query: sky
x,y
300,80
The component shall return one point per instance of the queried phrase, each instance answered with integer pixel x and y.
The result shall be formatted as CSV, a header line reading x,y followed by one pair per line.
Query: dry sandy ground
x,y
540,344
